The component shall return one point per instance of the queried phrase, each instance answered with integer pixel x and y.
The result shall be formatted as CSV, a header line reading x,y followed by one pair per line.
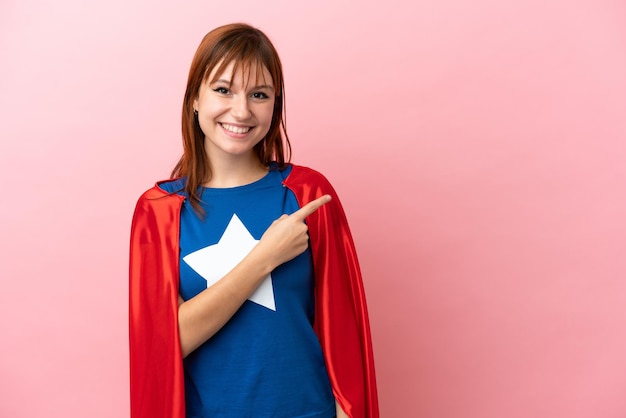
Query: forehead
x,y
252,72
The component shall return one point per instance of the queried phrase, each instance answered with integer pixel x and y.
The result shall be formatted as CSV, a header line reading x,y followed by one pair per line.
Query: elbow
x,y
183,351
182,340
185,345
187,338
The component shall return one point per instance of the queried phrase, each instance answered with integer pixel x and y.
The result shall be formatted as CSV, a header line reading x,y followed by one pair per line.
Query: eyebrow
x,y
265,86
262,86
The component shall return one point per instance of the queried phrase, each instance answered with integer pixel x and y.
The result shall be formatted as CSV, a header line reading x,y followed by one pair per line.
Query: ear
x,y
195,105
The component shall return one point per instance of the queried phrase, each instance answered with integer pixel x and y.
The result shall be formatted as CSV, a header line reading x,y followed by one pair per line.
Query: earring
x,y
195,112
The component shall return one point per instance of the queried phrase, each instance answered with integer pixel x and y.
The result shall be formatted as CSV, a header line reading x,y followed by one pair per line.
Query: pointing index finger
x,y
310,207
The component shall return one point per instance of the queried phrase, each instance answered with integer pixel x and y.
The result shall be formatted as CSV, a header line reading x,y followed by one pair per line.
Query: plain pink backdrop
x,y
478,147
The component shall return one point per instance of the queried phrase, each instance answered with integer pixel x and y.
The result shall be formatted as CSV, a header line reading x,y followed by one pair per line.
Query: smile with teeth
x,y
236,129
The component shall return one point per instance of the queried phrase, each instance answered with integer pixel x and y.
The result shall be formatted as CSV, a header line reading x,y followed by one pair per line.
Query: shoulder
x,y
305,175
308,184
163,193
172,186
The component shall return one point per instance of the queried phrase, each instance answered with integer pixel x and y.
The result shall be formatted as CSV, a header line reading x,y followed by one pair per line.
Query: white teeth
x,y
236,129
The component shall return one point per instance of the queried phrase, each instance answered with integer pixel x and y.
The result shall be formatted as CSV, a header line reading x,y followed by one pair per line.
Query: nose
x,y
240,108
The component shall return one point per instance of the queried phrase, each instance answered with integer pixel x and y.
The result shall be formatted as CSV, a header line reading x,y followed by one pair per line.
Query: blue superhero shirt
x,y
266,361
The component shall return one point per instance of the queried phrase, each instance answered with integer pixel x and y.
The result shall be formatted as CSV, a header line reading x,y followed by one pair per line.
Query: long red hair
x,y
246,47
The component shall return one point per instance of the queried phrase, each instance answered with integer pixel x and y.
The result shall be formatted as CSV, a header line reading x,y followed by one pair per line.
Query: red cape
x,y
341,322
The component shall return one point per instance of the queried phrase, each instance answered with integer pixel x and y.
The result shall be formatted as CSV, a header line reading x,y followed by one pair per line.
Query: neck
x,y
235,172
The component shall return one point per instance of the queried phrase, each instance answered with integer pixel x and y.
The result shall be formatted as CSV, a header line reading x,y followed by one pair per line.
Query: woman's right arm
x,y
200,317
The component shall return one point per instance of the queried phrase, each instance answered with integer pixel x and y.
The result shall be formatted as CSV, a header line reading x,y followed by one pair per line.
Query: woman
x,y
237,307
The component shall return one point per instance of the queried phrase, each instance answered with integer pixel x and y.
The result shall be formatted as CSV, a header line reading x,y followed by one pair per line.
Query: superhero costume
x,y
341,321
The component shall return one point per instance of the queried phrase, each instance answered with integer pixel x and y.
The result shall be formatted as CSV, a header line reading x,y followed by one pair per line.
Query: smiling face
x,y
235,111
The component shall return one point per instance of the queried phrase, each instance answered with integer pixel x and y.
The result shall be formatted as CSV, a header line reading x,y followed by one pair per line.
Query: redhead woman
x,y
246,298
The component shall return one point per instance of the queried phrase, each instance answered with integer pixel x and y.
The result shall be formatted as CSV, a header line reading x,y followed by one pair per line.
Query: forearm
x,y
200,317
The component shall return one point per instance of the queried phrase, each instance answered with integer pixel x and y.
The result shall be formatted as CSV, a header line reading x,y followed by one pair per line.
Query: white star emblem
x,y
214,261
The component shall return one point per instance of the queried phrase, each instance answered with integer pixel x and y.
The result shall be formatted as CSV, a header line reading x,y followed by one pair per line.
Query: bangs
x,y
249,57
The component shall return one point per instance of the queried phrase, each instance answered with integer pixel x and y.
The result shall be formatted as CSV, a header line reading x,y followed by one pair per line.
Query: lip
x,y
236,127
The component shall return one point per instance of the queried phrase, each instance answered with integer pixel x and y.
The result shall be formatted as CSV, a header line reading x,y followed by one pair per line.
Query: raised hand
x,y
287,237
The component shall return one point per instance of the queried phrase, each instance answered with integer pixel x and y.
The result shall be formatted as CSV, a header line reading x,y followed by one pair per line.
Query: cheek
x,y
211,108
268,112
209,111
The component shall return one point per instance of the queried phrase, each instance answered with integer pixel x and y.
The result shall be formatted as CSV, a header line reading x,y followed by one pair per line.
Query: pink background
x,y
478,147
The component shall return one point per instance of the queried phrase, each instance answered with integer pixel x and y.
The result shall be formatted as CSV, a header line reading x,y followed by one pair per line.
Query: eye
x,y
221,90
259,95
